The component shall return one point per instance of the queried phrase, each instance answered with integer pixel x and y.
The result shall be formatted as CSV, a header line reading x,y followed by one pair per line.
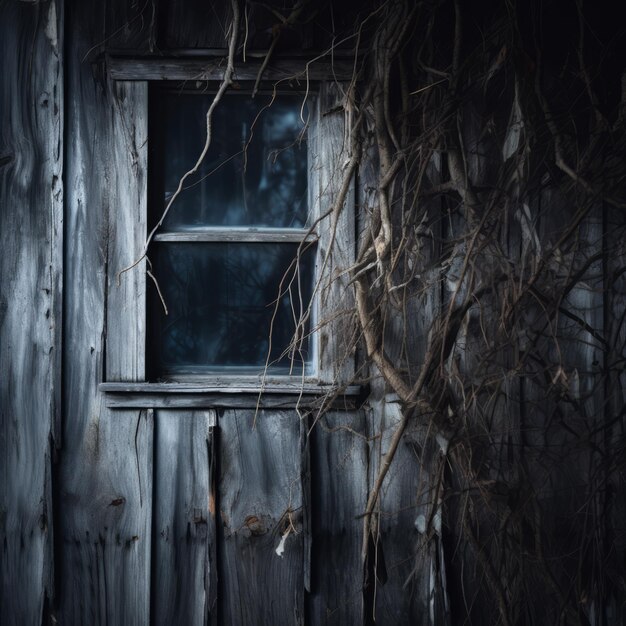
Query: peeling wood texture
x,y
260,513
105,505
184,583
31,227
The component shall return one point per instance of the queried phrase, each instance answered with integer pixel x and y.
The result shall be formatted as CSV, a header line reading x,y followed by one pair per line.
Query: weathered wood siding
x,y
105,496
31,228
201,508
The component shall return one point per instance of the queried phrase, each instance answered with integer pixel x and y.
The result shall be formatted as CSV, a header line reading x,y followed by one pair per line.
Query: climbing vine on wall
x,y
487,143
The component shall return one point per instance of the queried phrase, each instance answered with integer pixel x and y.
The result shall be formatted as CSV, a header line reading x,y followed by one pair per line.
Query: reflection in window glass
x,y
221,299
255,173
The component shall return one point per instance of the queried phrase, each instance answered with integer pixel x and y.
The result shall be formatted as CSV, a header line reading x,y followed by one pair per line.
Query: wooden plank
x,y
615,390
397,586
125,300
228,394
194,23
328,157
131,25
404,580
105,503
213,401
234,385
338,497
184,584
31,231
212,69
260,506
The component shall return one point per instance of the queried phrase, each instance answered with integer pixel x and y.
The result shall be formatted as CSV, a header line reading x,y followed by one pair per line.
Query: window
x,y
235,256
227,243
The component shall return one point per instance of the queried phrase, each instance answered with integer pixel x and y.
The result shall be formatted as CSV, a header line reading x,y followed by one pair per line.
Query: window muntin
x,y
234,239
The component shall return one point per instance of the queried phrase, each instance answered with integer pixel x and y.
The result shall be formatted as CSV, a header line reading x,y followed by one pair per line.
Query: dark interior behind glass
x,y
223,298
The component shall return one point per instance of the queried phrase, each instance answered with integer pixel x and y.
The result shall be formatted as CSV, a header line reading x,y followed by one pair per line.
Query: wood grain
x,y
338,448
328,156
131,25
126,297
105,503
288,71
260,491
184,582
31,218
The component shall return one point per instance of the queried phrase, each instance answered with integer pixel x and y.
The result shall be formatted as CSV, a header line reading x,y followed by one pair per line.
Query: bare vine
x,y
491,196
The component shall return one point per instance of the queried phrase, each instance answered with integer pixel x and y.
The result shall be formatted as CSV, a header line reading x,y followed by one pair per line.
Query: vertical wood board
x,y
328,160
127,215
260,500
184,583
105,505
31,231
338,446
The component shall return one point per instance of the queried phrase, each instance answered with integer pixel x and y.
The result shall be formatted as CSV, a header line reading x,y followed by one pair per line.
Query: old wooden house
x,y
312,312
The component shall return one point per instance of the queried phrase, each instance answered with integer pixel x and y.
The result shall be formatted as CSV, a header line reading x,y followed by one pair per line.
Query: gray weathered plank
x,y
402,563
211,69
184,584
338,448
125,300
212,401
328,157
105,473
229,394
233,385
131,25
31,218
260,503
398,588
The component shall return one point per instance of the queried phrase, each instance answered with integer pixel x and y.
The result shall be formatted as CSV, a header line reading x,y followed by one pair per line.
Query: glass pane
x,y
222,298
255,173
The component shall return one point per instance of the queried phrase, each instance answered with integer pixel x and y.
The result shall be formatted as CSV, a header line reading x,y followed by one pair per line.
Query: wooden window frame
x,y
124,379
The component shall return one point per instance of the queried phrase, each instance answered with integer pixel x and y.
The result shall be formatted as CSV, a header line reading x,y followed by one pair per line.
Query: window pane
x,y
255,173
221,299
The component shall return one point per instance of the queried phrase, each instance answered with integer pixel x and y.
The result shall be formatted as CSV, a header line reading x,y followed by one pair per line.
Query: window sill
x,y
237,394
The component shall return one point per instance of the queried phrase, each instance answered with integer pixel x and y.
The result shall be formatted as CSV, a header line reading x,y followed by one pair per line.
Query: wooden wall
x,y
210,515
